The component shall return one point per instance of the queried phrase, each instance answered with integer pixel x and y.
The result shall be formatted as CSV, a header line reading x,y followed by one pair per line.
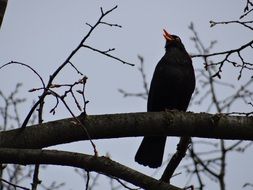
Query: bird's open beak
x,y
167,35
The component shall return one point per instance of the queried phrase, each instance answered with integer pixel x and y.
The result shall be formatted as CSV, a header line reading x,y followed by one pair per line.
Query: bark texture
x,y
171,123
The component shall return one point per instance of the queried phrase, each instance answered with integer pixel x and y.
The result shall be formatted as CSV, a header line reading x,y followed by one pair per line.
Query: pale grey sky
x,y
42,35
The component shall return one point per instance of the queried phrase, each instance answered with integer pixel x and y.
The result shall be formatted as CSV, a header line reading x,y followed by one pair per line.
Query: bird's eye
x,y
178,39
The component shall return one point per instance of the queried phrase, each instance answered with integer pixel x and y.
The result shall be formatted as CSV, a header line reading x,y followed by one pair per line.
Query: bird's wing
x,y
170,88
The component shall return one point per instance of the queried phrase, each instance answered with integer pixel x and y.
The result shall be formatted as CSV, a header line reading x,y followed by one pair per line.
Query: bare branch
x,y
68,61
243,23
14,185
102,165
77,70
227,53
110,24
108,55
204,53
27,66
144,94
170,123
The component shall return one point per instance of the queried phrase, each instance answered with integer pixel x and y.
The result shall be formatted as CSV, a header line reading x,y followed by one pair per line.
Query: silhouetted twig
x,y
68,61
144,94
14,185
214,166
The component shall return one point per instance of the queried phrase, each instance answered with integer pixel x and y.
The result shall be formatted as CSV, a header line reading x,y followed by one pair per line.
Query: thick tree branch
x,y
171,123
89,163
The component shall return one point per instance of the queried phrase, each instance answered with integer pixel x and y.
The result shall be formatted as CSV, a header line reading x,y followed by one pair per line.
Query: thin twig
x,y
108,55
14,185
68,61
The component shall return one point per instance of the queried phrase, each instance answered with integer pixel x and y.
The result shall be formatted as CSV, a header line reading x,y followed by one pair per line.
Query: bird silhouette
x,y
171,88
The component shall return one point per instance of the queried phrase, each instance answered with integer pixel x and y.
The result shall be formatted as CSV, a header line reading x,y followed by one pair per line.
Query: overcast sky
x,y
43,34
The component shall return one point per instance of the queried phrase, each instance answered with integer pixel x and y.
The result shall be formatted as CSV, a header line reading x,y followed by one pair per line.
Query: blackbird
x,y
171,88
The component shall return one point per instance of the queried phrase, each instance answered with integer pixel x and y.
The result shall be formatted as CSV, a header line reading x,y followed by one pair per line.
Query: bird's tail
x,y
150,152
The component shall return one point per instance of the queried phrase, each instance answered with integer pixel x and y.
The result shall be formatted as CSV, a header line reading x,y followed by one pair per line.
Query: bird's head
x,y
172,40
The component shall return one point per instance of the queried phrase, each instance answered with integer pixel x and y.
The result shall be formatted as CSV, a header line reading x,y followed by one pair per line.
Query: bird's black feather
x,y
171,88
